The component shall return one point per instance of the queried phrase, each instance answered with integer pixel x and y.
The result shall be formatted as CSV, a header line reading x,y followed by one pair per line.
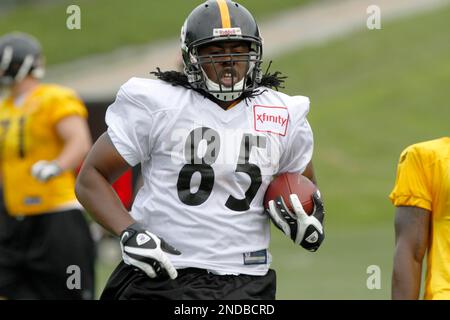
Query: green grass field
x,y
373,93
107,25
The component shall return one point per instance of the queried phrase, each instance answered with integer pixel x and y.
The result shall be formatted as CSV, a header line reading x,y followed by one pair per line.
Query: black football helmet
x,y
214,21
20,55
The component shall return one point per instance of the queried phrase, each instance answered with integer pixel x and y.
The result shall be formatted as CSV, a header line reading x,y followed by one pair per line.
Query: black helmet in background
x,y
20,56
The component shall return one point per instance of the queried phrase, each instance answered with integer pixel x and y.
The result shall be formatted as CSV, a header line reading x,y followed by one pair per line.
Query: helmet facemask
x,y
239,72
197,76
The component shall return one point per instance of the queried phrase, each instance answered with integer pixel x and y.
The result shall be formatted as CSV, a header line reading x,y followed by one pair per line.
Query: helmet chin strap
x,y
225,94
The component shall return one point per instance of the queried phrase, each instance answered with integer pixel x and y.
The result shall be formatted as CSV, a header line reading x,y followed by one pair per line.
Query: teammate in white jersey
x,y
209,141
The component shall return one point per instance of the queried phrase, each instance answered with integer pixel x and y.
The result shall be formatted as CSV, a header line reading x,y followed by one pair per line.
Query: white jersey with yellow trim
x,y
206,169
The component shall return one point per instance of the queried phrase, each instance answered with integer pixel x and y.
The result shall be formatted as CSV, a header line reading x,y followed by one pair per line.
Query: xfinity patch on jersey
x,y
223,32
270,119
255,257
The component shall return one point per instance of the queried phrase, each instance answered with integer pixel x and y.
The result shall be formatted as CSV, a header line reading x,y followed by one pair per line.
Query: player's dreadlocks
x,y
272,80
269,80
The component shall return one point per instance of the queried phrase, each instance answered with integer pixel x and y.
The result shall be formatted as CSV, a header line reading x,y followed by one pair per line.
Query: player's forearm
x,y
309,173
73,152
406,276
98,197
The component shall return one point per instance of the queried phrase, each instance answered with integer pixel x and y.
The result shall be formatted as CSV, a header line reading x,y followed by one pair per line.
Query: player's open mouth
x,y
228,78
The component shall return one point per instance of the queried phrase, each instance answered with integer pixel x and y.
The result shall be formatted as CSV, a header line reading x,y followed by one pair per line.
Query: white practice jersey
x,y
206,170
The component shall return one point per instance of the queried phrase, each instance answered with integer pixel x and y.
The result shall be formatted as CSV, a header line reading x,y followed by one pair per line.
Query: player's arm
x,y
74,132
102,166
309,173
140,248
411,242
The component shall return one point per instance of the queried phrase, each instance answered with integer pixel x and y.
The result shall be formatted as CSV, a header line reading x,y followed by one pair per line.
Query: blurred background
x,y
373,92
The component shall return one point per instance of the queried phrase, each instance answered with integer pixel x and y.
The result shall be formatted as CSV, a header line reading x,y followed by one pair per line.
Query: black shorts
x,y
127,283
48,256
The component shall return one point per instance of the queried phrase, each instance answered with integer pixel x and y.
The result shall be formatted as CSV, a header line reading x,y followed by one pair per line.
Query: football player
x,y
43,137
422,221
209,140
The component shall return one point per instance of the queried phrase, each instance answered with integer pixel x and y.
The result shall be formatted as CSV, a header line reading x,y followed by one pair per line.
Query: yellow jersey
x,y
423,181
27,135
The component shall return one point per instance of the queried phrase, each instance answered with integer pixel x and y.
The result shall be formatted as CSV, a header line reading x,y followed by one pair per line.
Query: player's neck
x,y
225,105
24,87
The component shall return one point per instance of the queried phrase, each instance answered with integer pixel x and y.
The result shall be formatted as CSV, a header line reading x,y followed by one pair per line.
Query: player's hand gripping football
x,y
144,250
304,230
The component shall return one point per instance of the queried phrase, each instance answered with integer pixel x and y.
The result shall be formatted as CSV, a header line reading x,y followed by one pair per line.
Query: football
x,y
292,183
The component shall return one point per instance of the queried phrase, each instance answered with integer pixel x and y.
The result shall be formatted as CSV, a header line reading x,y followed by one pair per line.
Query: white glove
x,y
304,230
144,250
44,170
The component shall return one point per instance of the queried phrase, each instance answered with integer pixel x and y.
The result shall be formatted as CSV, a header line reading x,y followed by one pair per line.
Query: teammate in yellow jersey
x,y
422,223
44,237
